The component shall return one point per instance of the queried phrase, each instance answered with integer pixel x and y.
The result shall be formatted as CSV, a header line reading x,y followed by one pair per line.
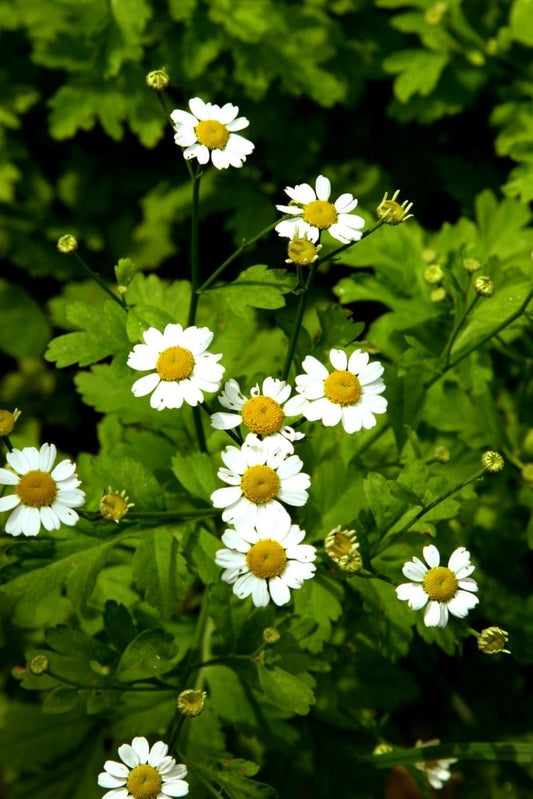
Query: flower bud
x,y
7,421
433,274
471,265
438,295
492,461
158,80
39,664
382,749
67,244
191,703
343,548
442,454
271,635
484,286
491,641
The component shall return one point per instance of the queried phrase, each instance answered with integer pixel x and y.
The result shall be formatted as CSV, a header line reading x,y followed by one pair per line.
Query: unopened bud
x,y
191,703
271,635
67,244
7,421
157,80
442,454
39,664
433,274
491,641
438,295
471,264
484,286
492,461
382,749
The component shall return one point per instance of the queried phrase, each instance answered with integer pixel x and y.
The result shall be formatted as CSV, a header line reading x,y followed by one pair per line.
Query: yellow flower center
x,y
260,484
267,558
440,584
339,545
175,363
320,213
36,489
302,251
114,506
263,415
7,422
144,782
342,387
212,133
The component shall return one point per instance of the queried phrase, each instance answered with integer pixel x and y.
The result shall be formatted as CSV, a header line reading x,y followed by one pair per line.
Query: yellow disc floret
x,y
260,484
263,415
320,214
440,584
267,558
212,134
36,489
342,387
175,363
144,782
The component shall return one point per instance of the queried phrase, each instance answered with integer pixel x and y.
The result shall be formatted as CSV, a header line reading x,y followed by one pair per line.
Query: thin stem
x,y
456,329
7,442
328,256
235,436
246,243
195,266
302,302
100,282
394,536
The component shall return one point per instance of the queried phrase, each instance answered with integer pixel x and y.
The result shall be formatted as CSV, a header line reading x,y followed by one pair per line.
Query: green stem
x,y
394,536
195,266
302,302
456,329
235,436
7,443
100,282
328,256
246,243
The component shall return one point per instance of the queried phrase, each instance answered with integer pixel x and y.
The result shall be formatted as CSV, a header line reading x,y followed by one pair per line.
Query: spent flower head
x,y
350,394
180,365
343,548
440,589
491,641
271,635
301,250
144,773
391,212
312,213
492,461
8,420
114,505
209,132
266,560
43,494
436,771
39,664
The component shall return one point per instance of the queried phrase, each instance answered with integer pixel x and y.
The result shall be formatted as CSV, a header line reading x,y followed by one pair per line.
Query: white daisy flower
x,y
144,773
260,477
350,394
43,494
440,589
209,131
263,412
180,366
312,213
266,560
436,771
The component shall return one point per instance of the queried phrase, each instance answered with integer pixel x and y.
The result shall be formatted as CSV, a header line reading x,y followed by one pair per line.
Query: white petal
x,y
414,571
459,559
47,456
225,497
225,421
279,591
431,555
436,614
117,770
175,788
66,515
141,748
244,586
145,385
128,755
63,470
461,603
9,502
21,460
323,187
49,519
260,595
345,203
157,753
303,193
199,108
8,477
338,359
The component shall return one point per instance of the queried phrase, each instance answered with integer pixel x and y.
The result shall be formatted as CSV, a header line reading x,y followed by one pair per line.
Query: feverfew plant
x,y
275,448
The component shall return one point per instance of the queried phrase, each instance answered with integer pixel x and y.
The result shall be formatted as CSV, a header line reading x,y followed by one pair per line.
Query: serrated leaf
x,y
84,570
387,508
196,473
419,71
160,570
318,602
257,287
103,334
286,691
24,330
118,624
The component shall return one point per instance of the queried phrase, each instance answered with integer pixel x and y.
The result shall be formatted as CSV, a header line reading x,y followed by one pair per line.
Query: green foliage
x,y
126,613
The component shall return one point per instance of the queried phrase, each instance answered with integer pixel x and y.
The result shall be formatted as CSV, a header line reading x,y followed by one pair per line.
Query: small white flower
x,y
266,560
209,131
263,413
43,494
180,366
312,213
440,589
350,394
436,771
260,476
144,773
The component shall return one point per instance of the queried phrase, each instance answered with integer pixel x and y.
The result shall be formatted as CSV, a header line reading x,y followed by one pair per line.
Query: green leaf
x,y
60,700
103,334
517,752
196,473
317,604
289,692
386,505
84,570
118,624
160,570
24,330
521,21
257,287
148,655
419,71
234,778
